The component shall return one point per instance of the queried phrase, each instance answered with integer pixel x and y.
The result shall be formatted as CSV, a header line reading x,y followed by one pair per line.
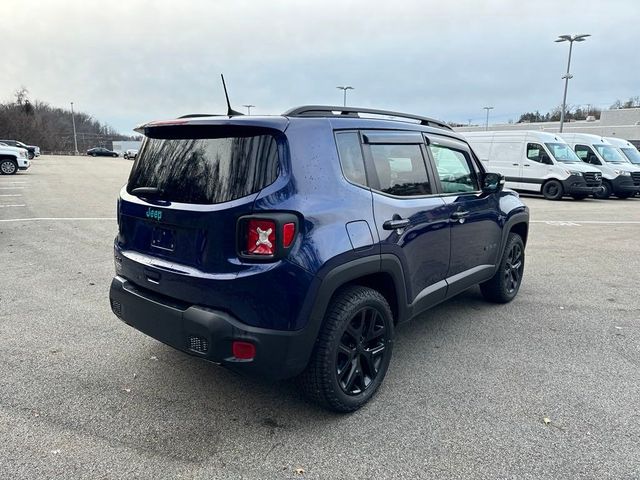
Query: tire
x,y
552,190
579,197
504,285
114,155
8,166
93,155
605,191
31,155
343,373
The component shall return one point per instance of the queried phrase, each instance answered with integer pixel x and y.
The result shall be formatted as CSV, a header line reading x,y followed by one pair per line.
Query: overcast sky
x,y
130,61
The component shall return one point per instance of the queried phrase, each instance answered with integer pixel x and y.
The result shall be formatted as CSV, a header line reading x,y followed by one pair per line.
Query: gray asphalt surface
x,y
84,396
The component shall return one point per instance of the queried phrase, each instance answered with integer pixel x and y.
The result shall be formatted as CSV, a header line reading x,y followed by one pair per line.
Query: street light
x,y
73,121
486,124
344,89
567,76
248,108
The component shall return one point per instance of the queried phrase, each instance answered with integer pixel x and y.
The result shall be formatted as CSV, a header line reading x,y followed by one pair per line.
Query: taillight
x,y
266,236
288,233
261,237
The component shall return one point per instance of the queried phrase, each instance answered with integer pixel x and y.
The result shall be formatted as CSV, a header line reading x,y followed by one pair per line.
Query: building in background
x,y
623,123
122,145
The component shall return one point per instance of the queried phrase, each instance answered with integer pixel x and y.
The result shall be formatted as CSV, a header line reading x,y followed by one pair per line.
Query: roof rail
x,y
335,111
192,115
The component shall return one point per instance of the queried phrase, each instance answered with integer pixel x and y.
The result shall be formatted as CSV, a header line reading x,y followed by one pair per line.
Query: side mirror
x,y
492,182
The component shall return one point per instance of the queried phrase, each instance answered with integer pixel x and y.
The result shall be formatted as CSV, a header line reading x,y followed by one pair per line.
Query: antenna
x,y
230,111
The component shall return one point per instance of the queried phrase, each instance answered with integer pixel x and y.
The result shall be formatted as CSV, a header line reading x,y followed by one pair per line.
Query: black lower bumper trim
x,y
577,185
624,186
208,333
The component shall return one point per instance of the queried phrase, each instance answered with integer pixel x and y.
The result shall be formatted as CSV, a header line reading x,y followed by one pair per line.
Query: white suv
x,y
13,159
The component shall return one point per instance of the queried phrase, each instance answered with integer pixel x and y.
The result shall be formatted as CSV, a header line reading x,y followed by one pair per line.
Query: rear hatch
x,y
178,212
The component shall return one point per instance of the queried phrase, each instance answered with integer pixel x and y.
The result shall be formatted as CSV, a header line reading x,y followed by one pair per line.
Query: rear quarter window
x,y
206,170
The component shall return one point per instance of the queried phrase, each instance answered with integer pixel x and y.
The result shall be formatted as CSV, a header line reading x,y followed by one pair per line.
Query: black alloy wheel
x,y
361,351
353,350
505,283
514,267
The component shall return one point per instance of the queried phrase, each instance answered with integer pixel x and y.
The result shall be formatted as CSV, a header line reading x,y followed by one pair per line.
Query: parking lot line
x,y
578,222
3,206
10,188
54,218
11,195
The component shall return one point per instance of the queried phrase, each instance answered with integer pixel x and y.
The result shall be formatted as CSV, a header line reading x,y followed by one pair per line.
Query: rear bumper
x,y
208,333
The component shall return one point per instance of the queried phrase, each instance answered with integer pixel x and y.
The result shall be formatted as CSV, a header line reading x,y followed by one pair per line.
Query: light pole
x,y
486,123
248,108
73,121
567,76
344,89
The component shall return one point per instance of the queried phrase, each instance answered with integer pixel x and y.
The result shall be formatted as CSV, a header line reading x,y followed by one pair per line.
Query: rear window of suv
x,y
206,170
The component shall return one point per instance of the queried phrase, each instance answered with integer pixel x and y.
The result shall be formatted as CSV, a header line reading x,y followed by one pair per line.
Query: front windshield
x,y
563,153
632,154
610,154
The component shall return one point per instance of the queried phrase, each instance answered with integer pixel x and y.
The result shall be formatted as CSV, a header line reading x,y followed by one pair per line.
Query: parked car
x,y
618,174
130,154
293,245
13,159
630,152
536,162
33,150
101,152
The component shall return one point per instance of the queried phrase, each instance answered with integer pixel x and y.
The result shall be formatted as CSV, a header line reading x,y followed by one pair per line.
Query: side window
x,y
586,154
351,157
401,169
454,169
534,152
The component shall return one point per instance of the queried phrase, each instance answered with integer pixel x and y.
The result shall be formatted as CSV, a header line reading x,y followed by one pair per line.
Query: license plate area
x,y
163,239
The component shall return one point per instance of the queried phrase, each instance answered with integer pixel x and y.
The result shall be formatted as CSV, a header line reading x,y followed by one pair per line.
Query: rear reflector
x,y
261,238
243,350
288,232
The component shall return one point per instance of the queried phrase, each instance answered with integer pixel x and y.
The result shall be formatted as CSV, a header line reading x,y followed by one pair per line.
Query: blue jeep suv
x,y
291,246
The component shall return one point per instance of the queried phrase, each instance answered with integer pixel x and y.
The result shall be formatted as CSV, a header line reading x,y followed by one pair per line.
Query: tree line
x,y
51,128
576,113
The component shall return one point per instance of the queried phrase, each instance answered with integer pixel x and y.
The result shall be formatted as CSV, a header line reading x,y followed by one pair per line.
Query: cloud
x,y
128,62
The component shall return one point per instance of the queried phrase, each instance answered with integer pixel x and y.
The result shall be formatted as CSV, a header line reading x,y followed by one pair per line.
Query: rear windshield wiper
x,y
147,192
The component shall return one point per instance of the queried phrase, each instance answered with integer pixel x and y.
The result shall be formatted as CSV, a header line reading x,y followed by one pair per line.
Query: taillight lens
x,y
261,237
288,233
266,237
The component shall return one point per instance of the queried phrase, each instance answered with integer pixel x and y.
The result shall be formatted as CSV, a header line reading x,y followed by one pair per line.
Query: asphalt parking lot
x,y
547,386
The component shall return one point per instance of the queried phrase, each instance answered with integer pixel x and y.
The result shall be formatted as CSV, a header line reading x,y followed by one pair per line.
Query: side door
x,y
535,168
506,158
411,219
475,221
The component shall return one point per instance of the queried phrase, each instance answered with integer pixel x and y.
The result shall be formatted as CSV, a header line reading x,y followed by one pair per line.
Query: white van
x,y
537,162
617,172
629,150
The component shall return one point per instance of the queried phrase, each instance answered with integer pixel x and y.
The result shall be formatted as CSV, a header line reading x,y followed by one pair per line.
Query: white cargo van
x,y
537,162
617,172
631,153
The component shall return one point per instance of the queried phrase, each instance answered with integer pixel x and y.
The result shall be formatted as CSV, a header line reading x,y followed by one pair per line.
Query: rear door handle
x,y
459,214
515,164
396,223
527,164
